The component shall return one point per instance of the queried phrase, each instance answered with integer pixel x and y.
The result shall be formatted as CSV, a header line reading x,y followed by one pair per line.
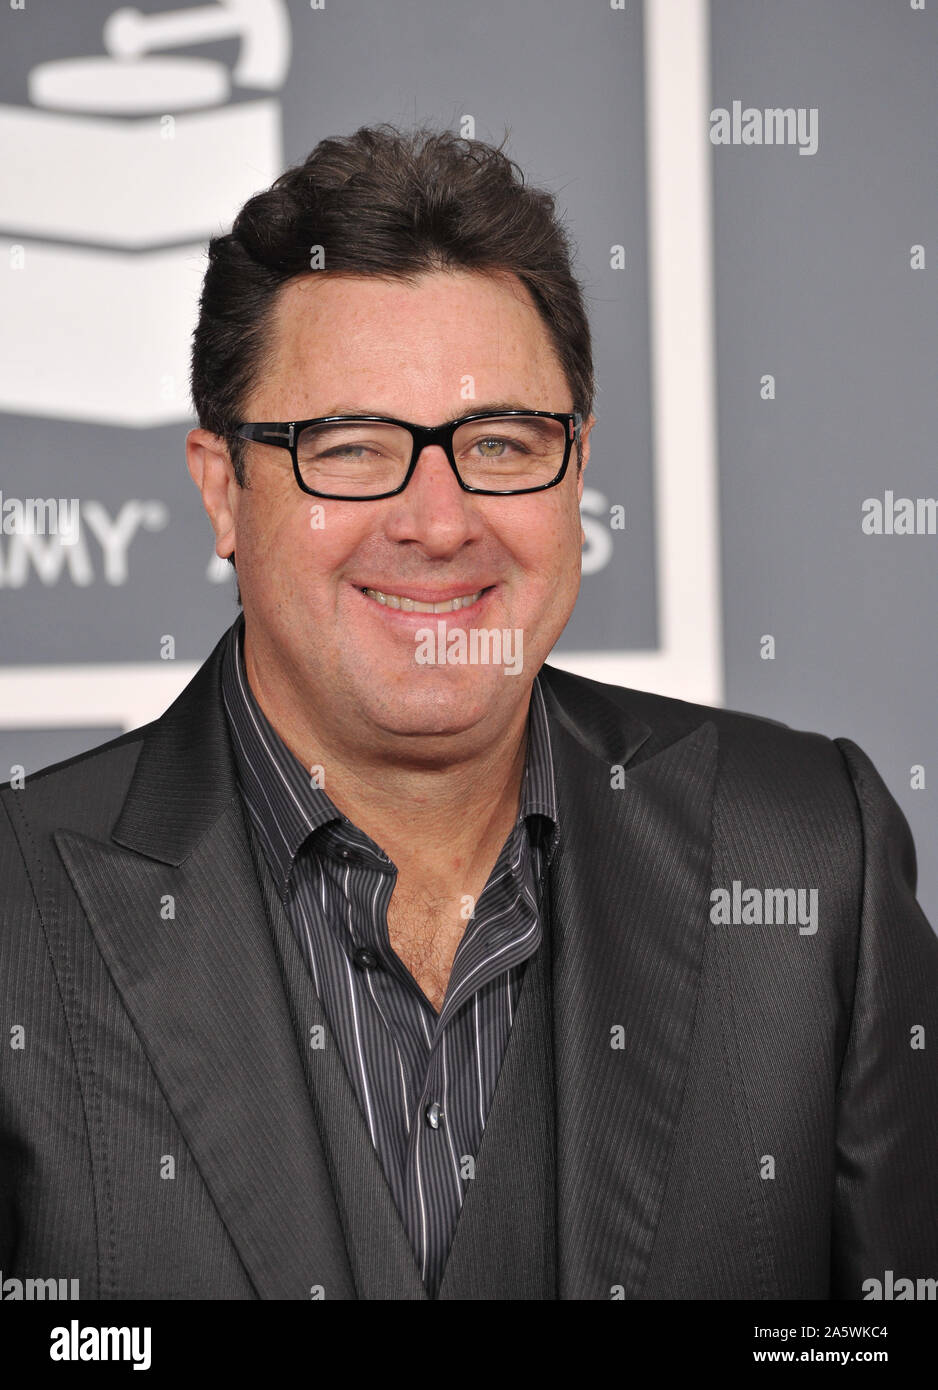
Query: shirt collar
x,y
286,803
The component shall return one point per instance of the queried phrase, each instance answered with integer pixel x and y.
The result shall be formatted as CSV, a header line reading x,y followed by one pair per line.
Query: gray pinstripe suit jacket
x,y
686,1110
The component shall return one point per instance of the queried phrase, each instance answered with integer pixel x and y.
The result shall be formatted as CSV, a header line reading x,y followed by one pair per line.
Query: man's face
x,y
447,345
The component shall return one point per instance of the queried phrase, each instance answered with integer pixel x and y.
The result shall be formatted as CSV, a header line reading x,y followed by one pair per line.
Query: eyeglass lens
x,y
357,457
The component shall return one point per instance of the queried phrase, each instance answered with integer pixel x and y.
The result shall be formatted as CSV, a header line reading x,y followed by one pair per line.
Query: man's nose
x,y
433,509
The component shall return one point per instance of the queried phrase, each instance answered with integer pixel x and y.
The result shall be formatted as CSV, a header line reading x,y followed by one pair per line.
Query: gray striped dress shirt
x,y
424,1081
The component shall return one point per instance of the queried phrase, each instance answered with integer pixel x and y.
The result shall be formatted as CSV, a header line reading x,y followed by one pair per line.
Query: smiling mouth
x,y
412,605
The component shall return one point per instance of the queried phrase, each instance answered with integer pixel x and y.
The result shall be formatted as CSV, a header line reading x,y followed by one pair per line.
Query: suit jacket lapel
x,y
380,1253
630,887
505,1241
204,991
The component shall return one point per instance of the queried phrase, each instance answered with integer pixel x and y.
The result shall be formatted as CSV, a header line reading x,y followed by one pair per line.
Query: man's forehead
x,y
492,282
356,303
371,328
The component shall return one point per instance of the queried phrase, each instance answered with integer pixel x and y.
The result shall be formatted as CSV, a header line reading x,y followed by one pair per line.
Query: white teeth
x,y
412,605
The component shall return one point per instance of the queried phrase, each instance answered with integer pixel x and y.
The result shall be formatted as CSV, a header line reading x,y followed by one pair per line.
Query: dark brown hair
x,y
389,203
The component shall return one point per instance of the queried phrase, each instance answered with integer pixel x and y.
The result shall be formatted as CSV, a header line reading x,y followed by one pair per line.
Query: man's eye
x,y
343,451
503,446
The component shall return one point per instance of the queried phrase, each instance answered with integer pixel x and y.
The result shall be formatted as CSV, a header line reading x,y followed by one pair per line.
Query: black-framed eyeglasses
x,y
360,458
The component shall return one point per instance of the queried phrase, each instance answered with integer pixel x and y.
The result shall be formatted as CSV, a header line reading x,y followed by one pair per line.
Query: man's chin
x,y
440,705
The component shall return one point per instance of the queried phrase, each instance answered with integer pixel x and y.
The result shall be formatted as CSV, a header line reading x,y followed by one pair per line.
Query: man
x,y
392,962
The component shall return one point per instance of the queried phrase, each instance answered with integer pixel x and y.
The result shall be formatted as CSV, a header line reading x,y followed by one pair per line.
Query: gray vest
x,y
504,1246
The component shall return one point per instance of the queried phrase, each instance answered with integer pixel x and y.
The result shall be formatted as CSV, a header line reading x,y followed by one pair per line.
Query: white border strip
x,y
103,695
689,663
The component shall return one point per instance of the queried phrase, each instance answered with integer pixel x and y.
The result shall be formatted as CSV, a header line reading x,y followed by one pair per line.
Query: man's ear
x,y
212,471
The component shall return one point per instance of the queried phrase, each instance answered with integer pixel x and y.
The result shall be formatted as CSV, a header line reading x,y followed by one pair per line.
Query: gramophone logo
x,y
151,156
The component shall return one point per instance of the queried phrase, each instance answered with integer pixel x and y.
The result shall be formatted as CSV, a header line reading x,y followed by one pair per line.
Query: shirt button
x,y
433,1113
364,959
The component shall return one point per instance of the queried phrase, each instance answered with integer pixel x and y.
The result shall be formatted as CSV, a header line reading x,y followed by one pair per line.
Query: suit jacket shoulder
x,y
783,770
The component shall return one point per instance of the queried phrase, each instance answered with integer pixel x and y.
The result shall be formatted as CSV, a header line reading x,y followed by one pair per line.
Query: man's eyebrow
x,y
487,407
477,408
